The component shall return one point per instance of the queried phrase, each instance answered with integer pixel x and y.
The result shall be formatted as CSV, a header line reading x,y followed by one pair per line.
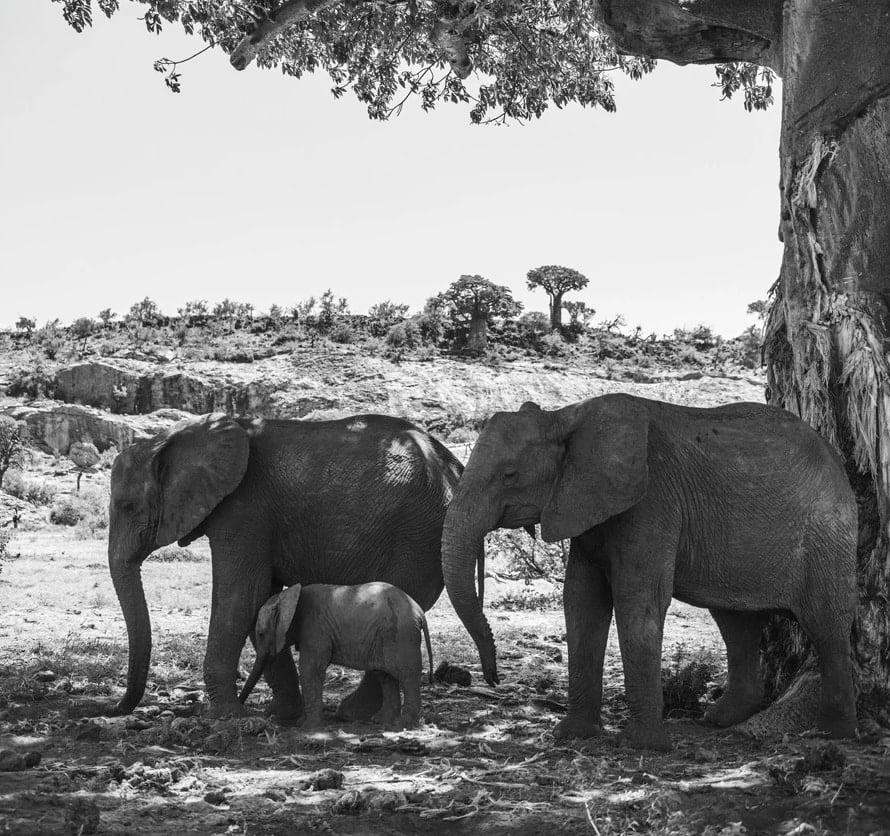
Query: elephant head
x,y
162,489
568,470
272,624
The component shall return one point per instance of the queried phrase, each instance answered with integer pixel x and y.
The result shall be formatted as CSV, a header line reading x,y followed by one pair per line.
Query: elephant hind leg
x,y
744,686
837,706
364,702
391,707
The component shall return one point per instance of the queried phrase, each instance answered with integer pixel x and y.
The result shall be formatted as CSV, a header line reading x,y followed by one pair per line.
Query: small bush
x,y
32,382
176,554
343,333
67,510
89,508
35,491
689,678
529,598
404,335
232,354
553,344
5,538
525,558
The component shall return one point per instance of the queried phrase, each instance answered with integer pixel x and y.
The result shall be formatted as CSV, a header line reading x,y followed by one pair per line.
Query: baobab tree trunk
x,y
556,311
477,340
830,318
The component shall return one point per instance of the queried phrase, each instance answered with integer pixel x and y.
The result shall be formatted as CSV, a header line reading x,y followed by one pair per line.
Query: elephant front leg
x,y
639,617
228,631
587,600
312,672
281,675
238,593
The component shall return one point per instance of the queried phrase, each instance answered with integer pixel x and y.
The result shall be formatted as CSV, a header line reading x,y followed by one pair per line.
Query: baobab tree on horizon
x,y
830,314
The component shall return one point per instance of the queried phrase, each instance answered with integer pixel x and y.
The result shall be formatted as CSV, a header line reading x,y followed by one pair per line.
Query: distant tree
x,y
13,452
193,311
303,310
106,316
145,313
82,329
276,316
432,320
475,302
243,314
760,309
49,338
556,281
610,325
330,309
384,315
84,456
580,315
27,325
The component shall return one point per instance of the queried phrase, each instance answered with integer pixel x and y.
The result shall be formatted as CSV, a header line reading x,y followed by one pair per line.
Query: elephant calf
x,y
369,627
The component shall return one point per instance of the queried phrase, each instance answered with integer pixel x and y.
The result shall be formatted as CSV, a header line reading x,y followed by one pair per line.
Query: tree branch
x,y
696,32
447,34
268,28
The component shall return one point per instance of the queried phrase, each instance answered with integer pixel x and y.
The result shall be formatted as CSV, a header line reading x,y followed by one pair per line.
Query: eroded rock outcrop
x,y
54,427
124,391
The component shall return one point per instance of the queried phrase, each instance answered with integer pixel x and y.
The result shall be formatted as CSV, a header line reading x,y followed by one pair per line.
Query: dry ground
x,y
485,761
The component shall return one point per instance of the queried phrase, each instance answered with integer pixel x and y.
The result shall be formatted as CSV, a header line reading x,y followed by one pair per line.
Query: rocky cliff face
x,y
54,427
131,392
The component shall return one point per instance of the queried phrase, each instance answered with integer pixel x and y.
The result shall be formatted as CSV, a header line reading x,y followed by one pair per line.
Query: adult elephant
x,y
282,502
743,509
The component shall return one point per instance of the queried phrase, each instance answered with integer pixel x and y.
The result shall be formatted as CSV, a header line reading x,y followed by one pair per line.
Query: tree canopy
x,y
523,57
556,281
474,302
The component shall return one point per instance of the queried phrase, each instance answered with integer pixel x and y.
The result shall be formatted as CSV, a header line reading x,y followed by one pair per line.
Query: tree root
x,y
795,711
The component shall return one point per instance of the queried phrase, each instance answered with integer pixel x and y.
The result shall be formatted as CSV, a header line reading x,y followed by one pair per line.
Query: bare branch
x,y
696,32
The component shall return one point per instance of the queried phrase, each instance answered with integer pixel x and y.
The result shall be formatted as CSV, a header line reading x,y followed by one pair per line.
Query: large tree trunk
x,y
556,311
825,347
830,319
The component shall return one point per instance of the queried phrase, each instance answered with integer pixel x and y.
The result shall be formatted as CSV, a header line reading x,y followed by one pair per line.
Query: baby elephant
x,y
369,627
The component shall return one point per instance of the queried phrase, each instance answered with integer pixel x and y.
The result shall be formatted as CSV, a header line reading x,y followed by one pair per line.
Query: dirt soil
x,y
485,760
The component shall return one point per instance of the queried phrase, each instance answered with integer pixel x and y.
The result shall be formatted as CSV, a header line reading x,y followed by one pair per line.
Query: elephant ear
x,y
604,470
266,622
199,463
287,608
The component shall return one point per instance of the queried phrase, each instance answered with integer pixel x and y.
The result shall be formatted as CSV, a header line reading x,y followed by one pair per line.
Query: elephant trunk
x,y
127,579
255,674
463,539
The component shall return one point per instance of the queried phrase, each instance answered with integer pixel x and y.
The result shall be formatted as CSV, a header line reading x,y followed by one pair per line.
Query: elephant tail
x,y
429,648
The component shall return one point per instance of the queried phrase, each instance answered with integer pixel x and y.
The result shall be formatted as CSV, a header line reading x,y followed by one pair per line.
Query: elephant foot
x,y
644,737
224,709
577,727
310,723
361,704
731,709
286,708
838,725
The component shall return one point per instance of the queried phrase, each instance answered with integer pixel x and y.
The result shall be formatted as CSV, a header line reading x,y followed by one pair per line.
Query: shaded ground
x,y
485,762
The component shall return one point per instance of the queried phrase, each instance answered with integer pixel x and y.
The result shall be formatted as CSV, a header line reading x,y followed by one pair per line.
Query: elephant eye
x,y
509,477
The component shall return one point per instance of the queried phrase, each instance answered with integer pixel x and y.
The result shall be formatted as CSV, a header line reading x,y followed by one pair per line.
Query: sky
x,y
264,189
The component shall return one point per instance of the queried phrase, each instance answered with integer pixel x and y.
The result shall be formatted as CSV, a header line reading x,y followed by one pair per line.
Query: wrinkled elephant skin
x,y
743,509
368,627
282,502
